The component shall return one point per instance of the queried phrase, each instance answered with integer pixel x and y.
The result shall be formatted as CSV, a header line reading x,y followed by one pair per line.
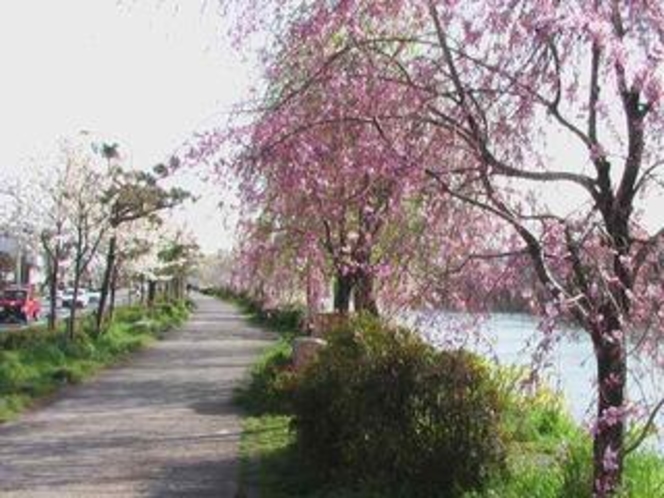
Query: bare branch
x,y
646,429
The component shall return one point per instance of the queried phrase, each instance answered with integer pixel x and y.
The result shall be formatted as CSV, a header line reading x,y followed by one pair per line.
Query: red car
x,y
19,304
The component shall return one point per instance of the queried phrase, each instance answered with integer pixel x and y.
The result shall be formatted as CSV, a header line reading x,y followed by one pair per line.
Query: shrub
x,y
644,474
577,470
129,314
286,319
266,390
25,338
12,372
534,417
381,406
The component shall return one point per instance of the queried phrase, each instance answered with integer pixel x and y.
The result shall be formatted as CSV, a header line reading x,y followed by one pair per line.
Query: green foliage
x,y
27,337
268,461
286,320
129,314
357,400
266,389
536,419
170,313
644,475
548,456
136,195
35,362
381,406
576,468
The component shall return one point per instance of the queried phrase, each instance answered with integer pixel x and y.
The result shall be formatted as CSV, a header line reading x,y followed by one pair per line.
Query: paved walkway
x,y
161,426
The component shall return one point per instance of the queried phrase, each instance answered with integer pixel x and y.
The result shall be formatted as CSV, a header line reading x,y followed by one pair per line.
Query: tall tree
x,y
497,81
131,196
85,213
330,192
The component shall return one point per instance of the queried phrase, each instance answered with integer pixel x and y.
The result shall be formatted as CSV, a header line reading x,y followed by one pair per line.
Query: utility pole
x,y
18,272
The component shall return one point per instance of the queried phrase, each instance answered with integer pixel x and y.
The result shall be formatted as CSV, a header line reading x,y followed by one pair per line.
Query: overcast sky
x,y
142,72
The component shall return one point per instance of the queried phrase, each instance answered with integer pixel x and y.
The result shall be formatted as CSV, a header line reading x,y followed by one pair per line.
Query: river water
x,y
511,339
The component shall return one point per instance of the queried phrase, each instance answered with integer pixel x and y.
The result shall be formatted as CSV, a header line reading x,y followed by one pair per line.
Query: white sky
x,y
145,73
140,71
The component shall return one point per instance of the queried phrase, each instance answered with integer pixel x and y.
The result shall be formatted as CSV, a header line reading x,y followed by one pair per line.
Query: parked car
x,y
94,295
82,298
19,304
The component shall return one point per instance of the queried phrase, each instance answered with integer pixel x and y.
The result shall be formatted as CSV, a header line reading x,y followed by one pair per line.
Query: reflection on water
x,y
511,338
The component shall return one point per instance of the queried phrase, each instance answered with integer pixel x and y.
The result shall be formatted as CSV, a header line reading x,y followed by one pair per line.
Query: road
x,y
162,425
122,298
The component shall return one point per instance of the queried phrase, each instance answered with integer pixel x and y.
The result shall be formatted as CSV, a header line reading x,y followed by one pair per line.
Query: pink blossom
x,y
610,460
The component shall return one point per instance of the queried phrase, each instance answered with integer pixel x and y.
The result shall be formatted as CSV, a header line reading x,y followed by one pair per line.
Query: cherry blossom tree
x,y
333,196
316,204
19,220
84,176
56,203
497,82
162,253
54,235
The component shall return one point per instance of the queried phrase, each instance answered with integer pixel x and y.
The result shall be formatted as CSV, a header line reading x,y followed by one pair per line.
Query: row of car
x,y
84,297
21,303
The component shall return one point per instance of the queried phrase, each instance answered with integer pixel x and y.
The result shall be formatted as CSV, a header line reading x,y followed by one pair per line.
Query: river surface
x,y
511,339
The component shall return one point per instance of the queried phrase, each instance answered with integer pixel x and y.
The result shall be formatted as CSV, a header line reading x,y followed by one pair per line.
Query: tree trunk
x,y
114,286
343,290
152,291
608,443
106,284
78,271
71,325
142,291
364,298
54,268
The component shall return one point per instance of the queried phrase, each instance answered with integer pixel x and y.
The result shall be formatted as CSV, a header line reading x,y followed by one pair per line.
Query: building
x,y
18,265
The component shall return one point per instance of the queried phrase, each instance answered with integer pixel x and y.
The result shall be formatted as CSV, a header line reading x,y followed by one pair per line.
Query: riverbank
x,y
549,456
568,365
35,363
548,453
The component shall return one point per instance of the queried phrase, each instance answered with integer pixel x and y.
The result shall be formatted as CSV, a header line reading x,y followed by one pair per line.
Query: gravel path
x,y
160,426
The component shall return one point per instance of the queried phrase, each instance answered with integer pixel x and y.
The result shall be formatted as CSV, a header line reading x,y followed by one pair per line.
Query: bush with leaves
x,y
267,389
286,319
381,406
